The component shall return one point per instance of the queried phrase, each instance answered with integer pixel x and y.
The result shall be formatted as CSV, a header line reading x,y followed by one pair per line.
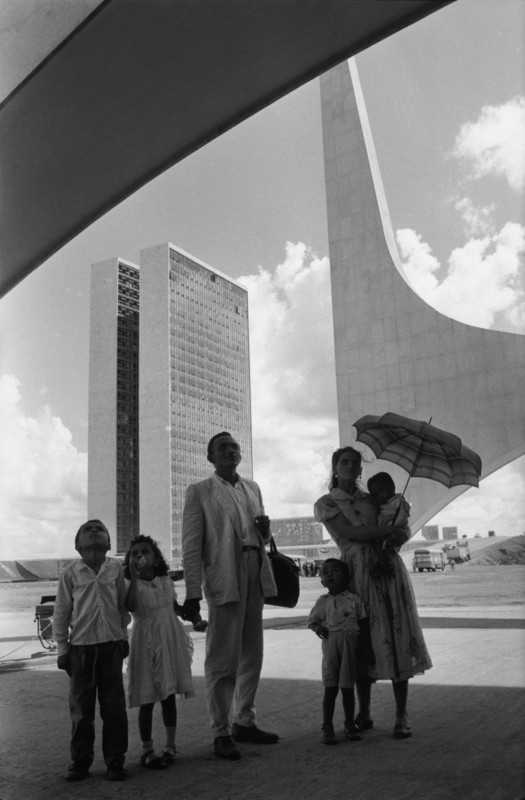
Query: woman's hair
x,y
160,568
334,480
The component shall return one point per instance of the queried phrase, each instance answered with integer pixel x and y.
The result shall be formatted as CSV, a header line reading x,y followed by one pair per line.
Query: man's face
x,y
225,453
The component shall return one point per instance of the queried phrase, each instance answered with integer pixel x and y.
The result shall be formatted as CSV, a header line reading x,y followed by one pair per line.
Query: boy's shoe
x,y
115,771
224,747
352,733
75,773
251,733
328,735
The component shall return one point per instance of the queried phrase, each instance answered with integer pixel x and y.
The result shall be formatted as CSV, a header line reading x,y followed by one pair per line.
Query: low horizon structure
x,y
393,352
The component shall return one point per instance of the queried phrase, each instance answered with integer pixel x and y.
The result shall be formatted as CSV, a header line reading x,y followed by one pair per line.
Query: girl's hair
x,y
334,480
160,568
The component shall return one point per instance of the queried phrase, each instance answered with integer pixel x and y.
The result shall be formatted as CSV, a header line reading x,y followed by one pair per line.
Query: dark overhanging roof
x,y
141,84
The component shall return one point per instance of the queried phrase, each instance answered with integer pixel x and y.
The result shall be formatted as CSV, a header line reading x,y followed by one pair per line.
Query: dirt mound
x,y
509,551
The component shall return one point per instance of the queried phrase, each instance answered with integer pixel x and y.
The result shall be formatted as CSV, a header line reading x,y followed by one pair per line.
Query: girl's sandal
x,y
151,761
168,755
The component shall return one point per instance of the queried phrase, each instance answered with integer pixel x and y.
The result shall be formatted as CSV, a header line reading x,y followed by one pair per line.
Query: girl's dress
x,y
160,649
395,629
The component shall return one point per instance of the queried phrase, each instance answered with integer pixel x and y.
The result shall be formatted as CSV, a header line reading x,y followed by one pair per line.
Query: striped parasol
x,y
421,449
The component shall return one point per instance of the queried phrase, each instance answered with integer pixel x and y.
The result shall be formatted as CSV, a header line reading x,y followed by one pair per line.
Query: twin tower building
x,y
169,367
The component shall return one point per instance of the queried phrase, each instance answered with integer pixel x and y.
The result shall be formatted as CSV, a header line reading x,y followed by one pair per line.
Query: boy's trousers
x,y
97,668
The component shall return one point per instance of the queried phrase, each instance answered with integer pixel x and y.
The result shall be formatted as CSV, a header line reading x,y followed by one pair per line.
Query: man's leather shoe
x,y
245,733
224,747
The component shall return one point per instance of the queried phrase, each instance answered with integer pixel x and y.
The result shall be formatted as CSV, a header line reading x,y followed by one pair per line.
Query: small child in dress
x,y
339,619
90,628
392,509
161,650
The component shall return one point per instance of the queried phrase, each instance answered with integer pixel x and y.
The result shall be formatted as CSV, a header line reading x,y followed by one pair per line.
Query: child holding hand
x,y
339,619
160,650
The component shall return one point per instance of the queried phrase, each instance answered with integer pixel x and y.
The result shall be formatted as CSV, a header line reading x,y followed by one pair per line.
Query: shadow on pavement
x,y
467,743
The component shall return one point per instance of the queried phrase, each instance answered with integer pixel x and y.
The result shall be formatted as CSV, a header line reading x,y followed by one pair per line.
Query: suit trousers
x,y
97,668
234,651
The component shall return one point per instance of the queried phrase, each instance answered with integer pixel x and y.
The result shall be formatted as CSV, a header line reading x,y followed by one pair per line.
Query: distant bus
x,y
431,560
457,551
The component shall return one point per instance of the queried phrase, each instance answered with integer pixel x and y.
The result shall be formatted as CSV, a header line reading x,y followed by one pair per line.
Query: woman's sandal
x,y
363,723
152,761
402,732
168,755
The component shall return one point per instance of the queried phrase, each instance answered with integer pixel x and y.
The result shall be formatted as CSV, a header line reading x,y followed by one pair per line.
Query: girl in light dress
x,y
160,649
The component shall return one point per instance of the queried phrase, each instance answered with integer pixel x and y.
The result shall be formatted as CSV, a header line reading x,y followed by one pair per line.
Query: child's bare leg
x,y
351,729
401,697
148,757
329,698
169,718
145,722
364,691
330,695
348,706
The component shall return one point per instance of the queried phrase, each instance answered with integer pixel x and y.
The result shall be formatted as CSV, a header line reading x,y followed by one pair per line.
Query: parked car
x,y
426,559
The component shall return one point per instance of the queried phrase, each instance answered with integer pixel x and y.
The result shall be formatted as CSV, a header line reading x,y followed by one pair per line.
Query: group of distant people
x,y
367,621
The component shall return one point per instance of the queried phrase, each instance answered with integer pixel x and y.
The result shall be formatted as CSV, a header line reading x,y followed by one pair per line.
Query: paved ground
x,y
467,715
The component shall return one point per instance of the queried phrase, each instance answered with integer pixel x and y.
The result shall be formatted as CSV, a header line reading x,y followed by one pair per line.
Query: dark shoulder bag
x,y
286,576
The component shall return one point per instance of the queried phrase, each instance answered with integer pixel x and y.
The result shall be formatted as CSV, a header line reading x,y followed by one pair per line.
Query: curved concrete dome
x,y
136,85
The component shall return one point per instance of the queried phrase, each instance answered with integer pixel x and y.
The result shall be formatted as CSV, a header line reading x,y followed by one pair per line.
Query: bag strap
x,y
273,546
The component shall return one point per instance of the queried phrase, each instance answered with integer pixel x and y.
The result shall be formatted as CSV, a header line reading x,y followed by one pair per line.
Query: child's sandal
x,y
151,761
168,755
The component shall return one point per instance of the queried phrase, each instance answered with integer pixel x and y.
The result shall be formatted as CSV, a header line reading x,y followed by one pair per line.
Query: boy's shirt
x,y
90,606
338,612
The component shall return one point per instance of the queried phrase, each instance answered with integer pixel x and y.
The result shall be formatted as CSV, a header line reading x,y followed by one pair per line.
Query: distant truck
x,y
427,559
457,551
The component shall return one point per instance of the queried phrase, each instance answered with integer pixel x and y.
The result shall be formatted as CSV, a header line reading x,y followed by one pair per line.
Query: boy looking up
x,y
90,629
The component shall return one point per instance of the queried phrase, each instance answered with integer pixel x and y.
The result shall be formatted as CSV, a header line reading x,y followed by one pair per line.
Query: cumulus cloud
x,y
293,380
43,480
493,145
497,505
490,266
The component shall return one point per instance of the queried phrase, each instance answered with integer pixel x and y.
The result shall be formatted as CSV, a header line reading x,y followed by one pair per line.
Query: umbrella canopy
x,y
423,450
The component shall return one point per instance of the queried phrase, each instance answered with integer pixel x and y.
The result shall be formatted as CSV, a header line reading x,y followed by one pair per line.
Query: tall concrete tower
x,y
169,368
194,381
113,433
394,352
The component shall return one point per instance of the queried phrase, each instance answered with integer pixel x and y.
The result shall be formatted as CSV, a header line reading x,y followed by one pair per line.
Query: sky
x,y
446,103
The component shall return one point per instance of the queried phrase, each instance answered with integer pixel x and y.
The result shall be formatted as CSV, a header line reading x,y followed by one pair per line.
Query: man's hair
x,y
89,524
212,441
381,480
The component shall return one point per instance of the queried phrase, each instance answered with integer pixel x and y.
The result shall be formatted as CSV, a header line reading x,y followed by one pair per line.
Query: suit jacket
x,y
212,546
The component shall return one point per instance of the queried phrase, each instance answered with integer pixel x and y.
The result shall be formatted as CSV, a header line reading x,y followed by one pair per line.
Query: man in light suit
x,y
224,530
